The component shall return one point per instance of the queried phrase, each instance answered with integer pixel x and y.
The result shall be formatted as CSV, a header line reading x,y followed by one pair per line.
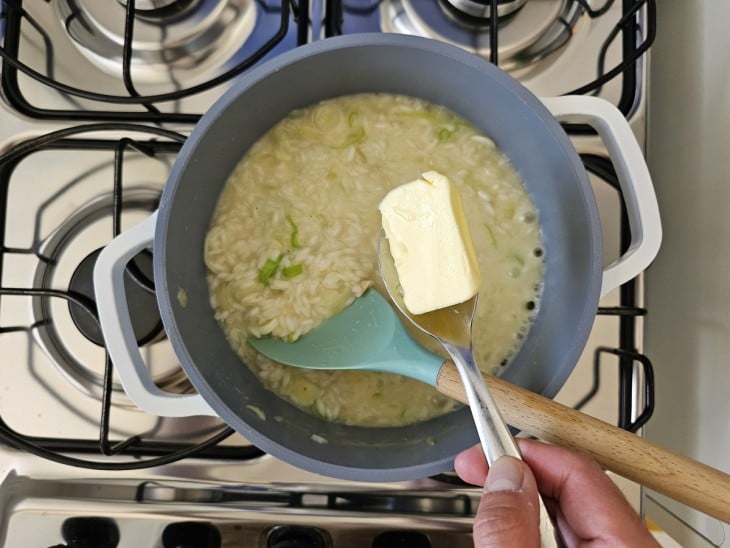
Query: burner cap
x,y
141,300
482,9
66,332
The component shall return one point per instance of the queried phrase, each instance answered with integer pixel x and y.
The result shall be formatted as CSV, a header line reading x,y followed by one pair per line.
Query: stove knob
x,y
191,534
90,532
294,536
401,539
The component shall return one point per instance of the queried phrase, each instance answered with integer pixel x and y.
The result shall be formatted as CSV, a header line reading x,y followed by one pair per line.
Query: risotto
x,y
293,241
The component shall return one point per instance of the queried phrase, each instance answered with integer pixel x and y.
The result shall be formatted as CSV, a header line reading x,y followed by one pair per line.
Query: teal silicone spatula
x,y
368,335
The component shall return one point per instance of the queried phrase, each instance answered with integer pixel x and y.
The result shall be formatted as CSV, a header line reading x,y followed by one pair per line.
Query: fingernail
x,y
505,474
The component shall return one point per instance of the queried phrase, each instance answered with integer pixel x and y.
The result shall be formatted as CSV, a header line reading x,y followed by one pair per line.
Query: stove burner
x,y
482,9
171,39
528,32
141,299
69,334
160,9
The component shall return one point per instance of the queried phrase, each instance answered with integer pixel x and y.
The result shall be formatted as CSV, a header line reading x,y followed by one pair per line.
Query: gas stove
x,y
97,99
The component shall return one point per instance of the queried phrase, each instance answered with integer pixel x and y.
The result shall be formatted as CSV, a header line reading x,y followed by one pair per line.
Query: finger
x,y
471,466
508,512
574,480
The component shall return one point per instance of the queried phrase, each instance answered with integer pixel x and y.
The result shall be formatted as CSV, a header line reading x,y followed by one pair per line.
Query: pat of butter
x,y
430,243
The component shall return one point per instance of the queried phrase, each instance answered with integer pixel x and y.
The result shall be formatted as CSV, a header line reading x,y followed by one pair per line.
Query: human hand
x,y
589,509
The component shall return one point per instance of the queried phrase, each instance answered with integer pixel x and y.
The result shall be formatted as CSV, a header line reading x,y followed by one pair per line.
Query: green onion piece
x,y
491,234
351,117
294,238
292,270
432,116
444,134
354,138
269,269
437,117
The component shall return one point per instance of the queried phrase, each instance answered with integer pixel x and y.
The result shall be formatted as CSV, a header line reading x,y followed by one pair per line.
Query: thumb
x,y
508,513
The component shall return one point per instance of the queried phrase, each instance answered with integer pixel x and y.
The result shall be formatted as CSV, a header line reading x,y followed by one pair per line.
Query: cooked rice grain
x,y
307,193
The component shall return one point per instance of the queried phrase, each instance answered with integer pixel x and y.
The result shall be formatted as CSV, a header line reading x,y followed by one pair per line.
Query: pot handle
x,y
116,325
633,176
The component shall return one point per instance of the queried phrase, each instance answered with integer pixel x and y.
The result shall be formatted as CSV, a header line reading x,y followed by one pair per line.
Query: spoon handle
x,y
494,434
678,477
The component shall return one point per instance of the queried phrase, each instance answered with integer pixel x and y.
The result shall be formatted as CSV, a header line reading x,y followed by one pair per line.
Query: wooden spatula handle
x,y
680,478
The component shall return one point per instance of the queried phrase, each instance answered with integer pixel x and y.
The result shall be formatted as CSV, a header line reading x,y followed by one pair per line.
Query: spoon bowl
x,y
451,324
452,328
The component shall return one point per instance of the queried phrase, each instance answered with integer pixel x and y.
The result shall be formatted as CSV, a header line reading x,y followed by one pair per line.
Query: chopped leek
x,y
182,297
292,270
491,234
354,138
269,269
351,117
446,124
294,237
256,410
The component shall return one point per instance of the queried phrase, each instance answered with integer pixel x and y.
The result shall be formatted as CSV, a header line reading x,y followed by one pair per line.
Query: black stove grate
x,y
296,12
161,452
15,16
627,313
151,452
146,452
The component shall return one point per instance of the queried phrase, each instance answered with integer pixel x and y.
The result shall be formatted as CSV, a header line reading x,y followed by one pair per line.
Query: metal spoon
x,y
452,328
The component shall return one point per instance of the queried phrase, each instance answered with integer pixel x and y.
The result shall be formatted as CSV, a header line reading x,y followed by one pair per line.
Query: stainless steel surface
x,y
243,514
195,40
50,380
49,49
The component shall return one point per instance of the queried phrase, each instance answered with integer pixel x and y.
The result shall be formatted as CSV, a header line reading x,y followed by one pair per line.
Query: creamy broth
x,y
293,241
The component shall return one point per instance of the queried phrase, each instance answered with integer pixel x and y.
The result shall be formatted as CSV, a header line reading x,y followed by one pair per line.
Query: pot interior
x,y
495,103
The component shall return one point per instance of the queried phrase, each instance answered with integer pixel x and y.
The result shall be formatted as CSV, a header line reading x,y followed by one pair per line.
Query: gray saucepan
x,y
524,127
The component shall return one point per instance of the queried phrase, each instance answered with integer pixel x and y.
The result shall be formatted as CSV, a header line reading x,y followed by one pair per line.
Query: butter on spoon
x,y
430,242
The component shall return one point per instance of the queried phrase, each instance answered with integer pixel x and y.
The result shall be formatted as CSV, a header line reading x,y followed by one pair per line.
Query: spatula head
x,y
349,340
367,335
